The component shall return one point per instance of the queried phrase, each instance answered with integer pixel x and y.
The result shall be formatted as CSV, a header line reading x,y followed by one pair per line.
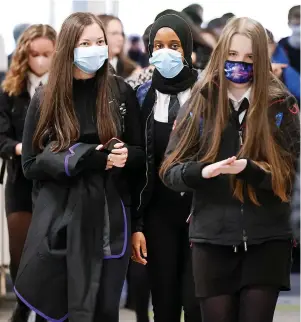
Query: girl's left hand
x,y
118,155
234,168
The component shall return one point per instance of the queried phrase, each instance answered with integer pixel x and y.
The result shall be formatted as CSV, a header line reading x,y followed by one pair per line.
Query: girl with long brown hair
x,y
235,145
29,67
74,150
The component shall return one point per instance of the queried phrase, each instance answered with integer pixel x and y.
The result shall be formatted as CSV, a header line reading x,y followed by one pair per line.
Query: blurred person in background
x,y
226,17
195,13
236,146
216,26
160,234
29,68
136,53
145,74
281,67
122,65
291,44
3,60
17,32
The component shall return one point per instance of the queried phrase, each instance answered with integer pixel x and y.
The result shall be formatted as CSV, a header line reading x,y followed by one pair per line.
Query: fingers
x,y
118,160
137,255
99,147
118,145
228,161
143,247
120,151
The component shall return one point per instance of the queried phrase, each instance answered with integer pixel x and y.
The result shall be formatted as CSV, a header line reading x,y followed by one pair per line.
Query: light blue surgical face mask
x,y
90,59
168,62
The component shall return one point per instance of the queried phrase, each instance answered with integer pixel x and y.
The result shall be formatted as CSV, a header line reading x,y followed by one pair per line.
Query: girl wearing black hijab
x,y
163,213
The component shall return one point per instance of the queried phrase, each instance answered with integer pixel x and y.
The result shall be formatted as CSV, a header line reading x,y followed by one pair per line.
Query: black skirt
x,y
18,195
218,270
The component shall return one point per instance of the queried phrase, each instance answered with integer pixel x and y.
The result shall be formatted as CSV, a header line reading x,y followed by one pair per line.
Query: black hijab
x,y
188,76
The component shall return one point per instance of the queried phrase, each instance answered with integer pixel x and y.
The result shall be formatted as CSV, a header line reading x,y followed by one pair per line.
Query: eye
x,y
250,57
175,47
84,44
232,54
158,46
101,42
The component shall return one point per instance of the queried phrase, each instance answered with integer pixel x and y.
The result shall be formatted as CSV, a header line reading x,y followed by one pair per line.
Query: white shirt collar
x,y
246,95
34,81
237,103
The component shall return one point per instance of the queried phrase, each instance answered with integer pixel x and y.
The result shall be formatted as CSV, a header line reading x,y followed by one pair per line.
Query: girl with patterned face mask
x,y
236,148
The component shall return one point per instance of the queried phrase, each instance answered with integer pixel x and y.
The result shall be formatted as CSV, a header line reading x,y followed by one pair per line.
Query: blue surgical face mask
x,y
238,72
168,62
90,59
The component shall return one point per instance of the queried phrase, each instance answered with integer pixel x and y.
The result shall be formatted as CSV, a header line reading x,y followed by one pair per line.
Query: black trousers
x,y
113,276
112,280
170,266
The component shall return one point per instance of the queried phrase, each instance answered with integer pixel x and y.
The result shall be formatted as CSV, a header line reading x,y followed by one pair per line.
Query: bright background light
x,y
138,14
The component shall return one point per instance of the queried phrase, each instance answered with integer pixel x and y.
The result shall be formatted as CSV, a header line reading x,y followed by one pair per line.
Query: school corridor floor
x,y
287,310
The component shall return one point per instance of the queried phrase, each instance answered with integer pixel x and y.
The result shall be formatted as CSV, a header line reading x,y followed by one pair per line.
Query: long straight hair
x,y
260,145
57,114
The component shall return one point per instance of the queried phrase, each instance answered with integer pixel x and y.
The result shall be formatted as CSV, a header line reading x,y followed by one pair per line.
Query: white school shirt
x,y
162,104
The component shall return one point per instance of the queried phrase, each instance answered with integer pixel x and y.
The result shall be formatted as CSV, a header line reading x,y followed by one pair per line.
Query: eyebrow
x,y
170,41
236,52
100,38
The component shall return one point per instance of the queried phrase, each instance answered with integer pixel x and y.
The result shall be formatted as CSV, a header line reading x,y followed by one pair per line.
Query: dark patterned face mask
x,y
238,72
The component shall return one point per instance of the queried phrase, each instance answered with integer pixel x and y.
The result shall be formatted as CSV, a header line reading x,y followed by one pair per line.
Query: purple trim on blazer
x,y
125,236
37,311
68,156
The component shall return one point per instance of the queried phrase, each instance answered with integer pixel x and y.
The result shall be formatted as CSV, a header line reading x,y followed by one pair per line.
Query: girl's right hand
x,y
217,168
109,162
18,149
138,247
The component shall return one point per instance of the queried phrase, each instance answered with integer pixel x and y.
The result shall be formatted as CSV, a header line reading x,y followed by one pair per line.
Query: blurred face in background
x,y
115,37
40,55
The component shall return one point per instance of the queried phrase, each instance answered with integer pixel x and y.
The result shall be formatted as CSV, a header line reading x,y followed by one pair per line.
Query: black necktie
x,y
173,108
243,107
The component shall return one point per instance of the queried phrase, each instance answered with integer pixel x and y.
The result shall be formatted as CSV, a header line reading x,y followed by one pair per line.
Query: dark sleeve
x,y
288,137
7,135
296,206
132,135
186,176
45,165
135,166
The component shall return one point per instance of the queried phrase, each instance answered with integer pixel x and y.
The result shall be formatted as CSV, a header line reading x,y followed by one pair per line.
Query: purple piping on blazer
x,y
37,311
68,156
125,236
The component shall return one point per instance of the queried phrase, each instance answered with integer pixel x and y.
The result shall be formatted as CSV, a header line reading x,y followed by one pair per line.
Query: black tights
x,y
254,304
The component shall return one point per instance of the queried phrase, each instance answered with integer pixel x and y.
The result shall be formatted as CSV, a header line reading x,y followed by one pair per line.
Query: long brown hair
x,y
260,145
128,66
57,115
15,80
